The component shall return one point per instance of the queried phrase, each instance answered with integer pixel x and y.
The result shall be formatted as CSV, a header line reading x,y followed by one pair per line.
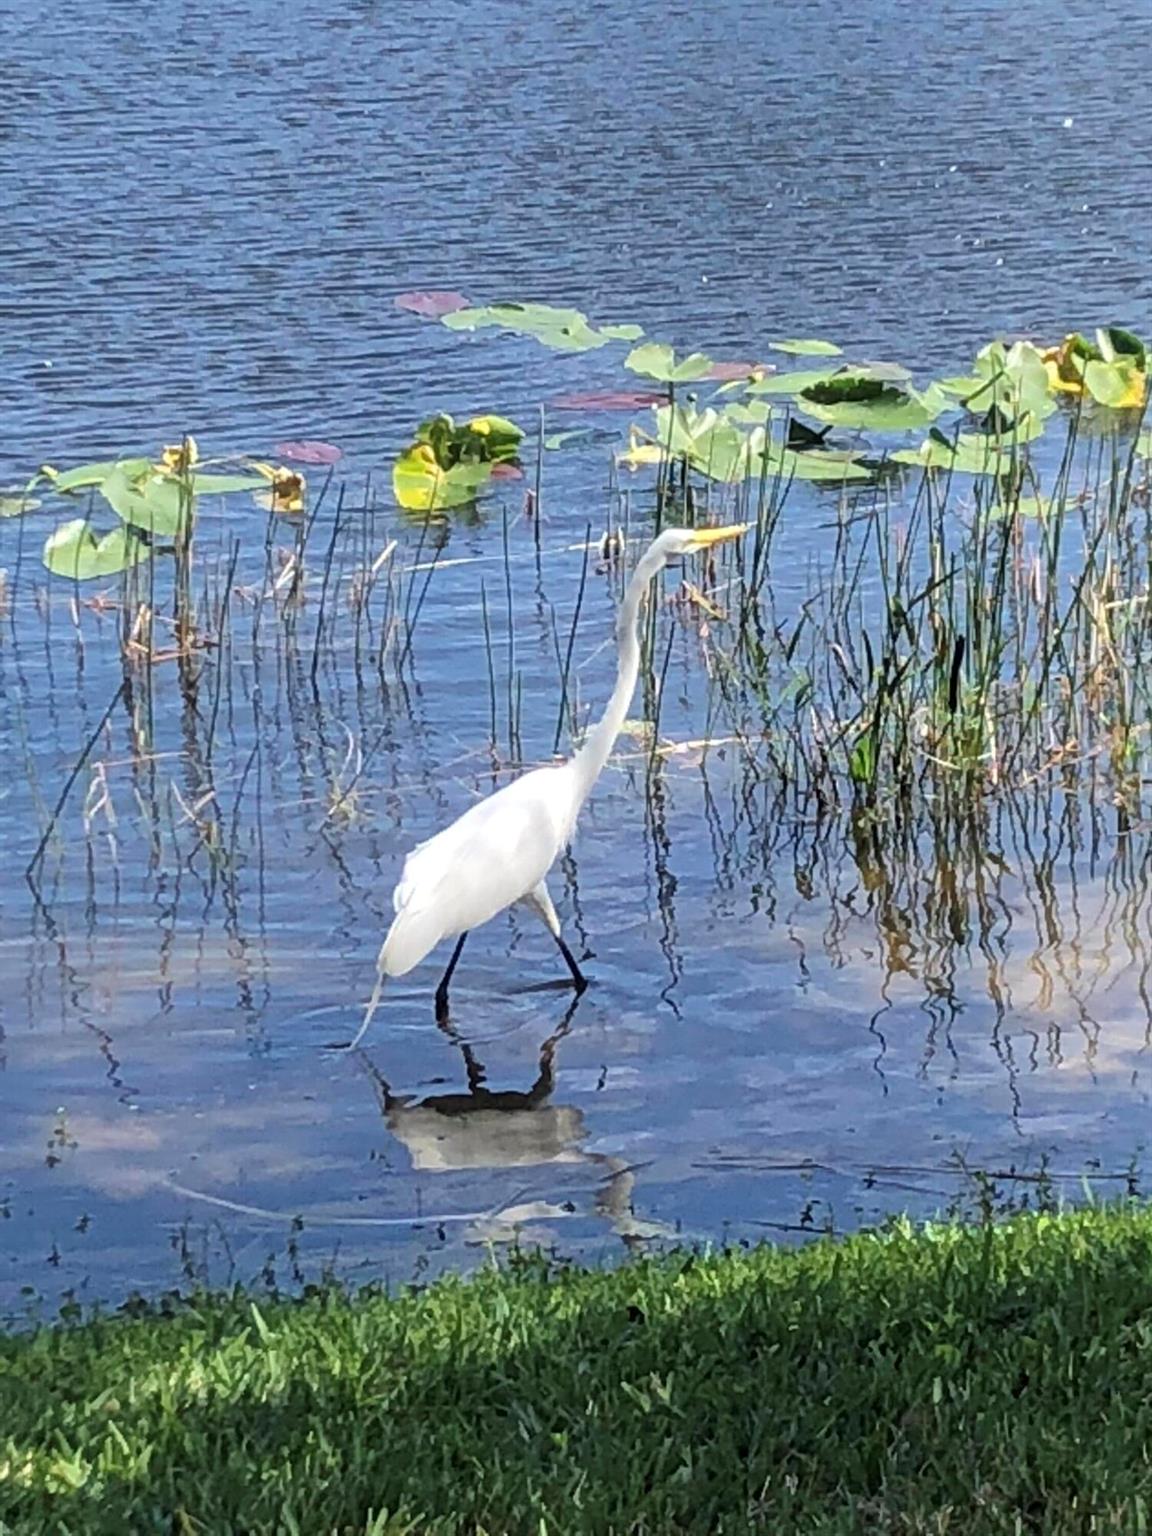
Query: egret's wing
x,y
500,849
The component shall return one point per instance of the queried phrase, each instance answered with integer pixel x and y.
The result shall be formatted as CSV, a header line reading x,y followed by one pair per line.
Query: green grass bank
x,y
957,1379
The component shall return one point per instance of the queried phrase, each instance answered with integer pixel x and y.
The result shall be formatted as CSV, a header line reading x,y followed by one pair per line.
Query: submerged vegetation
x,y
981,1380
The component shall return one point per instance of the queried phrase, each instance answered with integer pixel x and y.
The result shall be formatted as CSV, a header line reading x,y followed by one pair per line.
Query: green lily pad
x,y
422,486
830,468
159,503
74,551
1120,384
1012,379
789,383
1144,443
565,330
84,476
807,347
863,403
973,453
1115,342
656,360
751,413
579,437
221,485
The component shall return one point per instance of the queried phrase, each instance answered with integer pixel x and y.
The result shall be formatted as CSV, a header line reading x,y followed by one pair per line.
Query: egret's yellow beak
x,y
704,538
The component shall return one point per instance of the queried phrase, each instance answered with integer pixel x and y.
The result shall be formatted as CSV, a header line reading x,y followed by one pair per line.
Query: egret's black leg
x,y
442,989
579,980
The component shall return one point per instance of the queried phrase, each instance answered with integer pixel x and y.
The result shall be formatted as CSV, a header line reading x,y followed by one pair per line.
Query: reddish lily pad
x,y
308,452
611,400
507,472
430,303
725,372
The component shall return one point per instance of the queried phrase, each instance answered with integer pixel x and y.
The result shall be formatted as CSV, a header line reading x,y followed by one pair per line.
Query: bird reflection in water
x,y
484,1127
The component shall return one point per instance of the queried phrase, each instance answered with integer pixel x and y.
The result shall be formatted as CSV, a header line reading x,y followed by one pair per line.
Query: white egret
x,y
499,852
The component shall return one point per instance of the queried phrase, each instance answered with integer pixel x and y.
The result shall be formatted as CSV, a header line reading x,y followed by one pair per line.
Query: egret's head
x,y
686,541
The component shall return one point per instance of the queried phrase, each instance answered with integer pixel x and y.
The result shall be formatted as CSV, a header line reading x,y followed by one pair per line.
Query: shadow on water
x,y
485,1128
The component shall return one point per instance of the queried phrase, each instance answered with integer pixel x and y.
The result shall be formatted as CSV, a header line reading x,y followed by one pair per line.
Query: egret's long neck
x,y
600,739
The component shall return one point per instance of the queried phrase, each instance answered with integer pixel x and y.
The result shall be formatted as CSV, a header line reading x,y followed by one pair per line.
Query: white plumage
x,y
495,855
500,850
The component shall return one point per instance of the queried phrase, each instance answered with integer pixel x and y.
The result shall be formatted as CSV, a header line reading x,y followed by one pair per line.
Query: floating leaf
x,y
790,383
1012,380
656,360
725,373
622,332
86,475
432,303
1144,443
222,485
74,551
807,347
565,330
579,437
498,437
1120,384
610,400
1113,370
504,471
863,403
16,503
832,468
160,503
421,485
973,453
308,452
752,413
1115,342
710,442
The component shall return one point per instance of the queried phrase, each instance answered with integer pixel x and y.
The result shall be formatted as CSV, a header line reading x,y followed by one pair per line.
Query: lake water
x,y
208,212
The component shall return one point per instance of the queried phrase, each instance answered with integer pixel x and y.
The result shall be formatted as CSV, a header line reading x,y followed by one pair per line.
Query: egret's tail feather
x,y
413,934
369,1012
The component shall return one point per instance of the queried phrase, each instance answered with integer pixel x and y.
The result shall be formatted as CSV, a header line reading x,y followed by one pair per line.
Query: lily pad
x,y
1115,342
831,468
420,485
656,360
1112,370
1144,443
159,503
610,400
1120,384
579,437
431,303
74,551
807,347
565,330
792,383
863,403
309,452
84,476
751,413
16,503
221,485
726,373
973,453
